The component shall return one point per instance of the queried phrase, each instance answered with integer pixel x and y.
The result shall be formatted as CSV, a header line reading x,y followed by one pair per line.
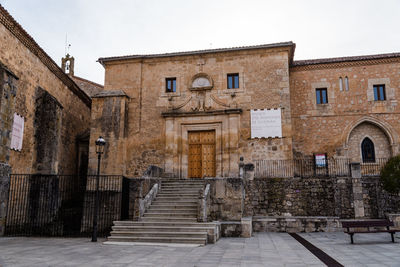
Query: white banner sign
x,y
17,132
266,123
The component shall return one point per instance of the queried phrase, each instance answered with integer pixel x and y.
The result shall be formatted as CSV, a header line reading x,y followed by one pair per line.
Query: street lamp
x,y
100,143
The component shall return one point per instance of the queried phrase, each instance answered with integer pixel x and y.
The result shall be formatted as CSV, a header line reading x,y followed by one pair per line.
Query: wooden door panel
x,y
208,161
194,137
195,162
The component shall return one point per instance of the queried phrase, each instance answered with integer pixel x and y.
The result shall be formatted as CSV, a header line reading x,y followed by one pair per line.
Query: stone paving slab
x,y
263,249
368,249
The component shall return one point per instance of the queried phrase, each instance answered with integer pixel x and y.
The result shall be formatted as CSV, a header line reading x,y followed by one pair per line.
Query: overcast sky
x,y
102,28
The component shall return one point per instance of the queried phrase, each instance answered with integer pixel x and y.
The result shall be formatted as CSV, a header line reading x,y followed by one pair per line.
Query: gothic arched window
x,y
367,150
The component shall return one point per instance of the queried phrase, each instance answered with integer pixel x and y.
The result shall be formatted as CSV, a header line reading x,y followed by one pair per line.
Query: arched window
x,y
346,83
367,150
341,83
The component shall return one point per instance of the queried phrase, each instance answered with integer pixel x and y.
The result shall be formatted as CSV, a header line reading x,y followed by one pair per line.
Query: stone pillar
x,y
5,171
358,200
8,91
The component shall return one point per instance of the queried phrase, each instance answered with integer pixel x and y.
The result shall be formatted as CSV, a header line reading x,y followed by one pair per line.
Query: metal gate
x,y
61,205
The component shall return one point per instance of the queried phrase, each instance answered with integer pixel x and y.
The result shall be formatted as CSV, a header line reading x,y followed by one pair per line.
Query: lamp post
x,y
100,143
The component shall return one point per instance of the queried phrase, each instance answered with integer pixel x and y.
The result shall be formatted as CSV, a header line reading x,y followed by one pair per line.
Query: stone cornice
x,y
16,29
202,113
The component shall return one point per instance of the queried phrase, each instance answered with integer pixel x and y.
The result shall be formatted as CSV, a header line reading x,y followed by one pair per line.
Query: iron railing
x,y
331,167
373,168
61,205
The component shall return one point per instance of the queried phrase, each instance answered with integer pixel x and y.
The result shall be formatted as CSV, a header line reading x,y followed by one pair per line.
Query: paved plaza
x,y
263,249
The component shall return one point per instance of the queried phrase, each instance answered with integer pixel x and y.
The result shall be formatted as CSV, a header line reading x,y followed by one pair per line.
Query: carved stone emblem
x,y
201,81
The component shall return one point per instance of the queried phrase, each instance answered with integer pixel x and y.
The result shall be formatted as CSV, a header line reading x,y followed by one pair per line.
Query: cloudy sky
x,y
102,28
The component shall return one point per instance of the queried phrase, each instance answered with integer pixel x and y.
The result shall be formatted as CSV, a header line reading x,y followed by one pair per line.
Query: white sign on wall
x,y
17,132
266,123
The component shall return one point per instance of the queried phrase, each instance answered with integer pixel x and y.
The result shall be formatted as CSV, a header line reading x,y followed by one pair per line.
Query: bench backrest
x,y
368,223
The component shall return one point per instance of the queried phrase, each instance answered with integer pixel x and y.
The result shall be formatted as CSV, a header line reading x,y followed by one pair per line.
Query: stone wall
x,y
226,199
331,197
291,197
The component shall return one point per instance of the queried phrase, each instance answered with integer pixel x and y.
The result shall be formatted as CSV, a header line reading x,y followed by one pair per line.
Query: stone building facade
x,y
341,107
145,124
353,111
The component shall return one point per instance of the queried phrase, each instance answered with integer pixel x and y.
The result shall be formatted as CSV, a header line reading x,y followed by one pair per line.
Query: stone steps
x,y
174,211
174,240
171,218
171,214
162,233
168,219
162,223
146,227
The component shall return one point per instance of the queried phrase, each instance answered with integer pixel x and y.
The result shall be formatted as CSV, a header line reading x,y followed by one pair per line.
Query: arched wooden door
x,y
201,154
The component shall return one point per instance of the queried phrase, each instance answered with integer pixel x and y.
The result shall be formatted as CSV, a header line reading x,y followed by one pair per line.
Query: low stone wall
x,y
296,224
342,197
290,197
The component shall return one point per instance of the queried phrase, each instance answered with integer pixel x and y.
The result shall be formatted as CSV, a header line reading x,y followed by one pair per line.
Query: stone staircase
x,y
171,218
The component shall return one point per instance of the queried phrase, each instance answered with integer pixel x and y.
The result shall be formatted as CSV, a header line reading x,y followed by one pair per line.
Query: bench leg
x,y
351,237
392,234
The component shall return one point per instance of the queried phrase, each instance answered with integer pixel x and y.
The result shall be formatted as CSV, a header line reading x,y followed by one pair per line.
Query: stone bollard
x,y
358,200
241,167
247,227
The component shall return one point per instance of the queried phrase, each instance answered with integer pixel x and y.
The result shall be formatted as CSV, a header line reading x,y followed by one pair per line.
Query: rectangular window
x,y
233,80
379,92
322,95
170,85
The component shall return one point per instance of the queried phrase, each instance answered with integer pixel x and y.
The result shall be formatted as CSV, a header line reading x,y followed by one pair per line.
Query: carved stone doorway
x,y
201,154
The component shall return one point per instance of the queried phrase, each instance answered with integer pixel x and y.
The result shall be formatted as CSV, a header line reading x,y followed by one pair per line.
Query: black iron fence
x,y
373,168
61,205
313,168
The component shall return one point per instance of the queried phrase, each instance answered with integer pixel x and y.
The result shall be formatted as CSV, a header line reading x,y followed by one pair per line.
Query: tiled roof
x,y
16,29
197,52
343,59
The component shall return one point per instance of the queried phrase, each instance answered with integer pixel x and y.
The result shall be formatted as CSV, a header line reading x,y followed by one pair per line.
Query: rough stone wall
x,y
377,202
33,74
48,115
8,91
291,197
264,83
332,123
296,197
109,121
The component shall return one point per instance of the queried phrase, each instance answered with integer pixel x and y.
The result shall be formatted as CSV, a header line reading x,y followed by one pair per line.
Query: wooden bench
x,y
364,226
